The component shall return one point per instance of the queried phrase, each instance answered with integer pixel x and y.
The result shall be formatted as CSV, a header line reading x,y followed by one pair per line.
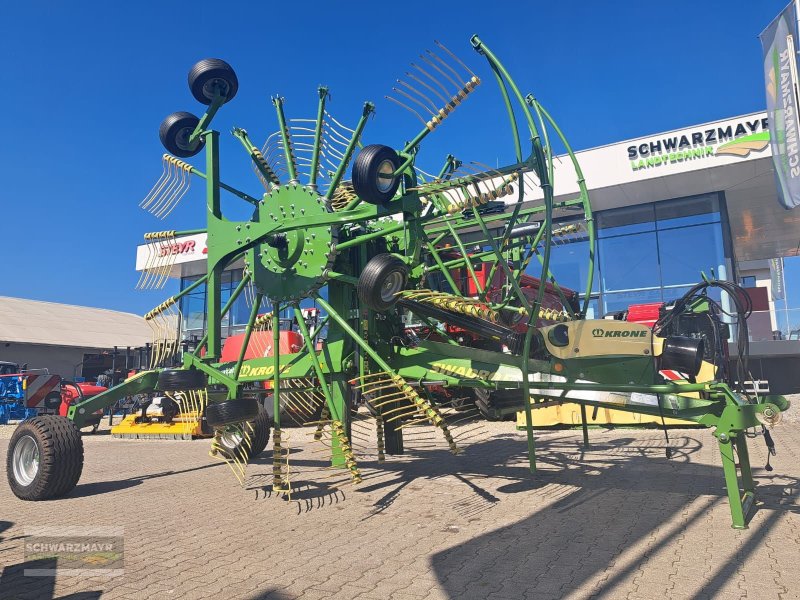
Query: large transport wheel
x,y
175,131
179,380
232,440
379,283
229,412
371,170
211,73
45,458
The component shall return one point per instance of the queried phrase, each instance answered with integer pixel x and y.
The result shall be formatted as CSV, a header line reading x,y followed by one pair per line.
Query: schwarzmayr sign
x,y
736,139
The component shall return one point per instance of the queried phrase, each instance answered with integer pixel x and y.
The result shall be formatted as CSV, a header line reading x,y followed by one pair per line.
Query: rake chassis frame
x,y
278,234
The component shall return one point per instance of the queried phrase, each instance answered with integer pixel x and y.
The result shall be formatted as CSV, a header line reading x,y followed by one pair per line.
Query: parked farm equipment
x,y
26,393
368,250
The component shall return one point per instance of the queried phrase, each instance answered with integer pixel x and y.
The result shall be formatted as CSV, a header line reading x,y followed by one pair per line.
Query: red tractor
x,y
72,392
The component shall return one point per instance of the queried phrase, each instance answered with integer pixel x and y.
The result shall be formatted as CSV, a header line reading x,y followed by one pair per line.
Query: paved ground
x,y
616,521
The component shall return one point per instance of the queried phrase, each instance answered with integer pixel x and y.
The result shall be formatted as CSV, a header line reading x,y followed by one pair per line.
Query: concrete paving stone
x,y
608,527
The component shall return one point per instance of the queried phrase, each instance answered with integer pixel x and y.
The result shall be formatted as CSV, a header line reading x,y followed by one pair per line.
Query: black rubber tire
x,y
179,380
262,425
219,414
175,131
482,401
205,73
365,174
60,451
393,438
382,277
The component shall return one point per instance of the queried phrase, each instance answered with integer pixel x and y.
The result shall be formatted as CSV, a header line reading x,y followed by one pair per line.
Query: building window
x,y
193,306
569,263
686,251
646,253
748,281
657,261
629,262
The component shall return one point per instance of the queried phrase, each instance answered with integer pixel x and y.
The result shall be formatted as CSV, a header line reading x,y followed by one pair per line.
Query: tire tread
x,y
60,457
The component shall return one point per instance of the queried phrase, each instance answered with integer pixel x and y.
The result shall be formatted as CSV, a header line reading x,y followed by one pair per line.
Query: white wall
x,y
59,360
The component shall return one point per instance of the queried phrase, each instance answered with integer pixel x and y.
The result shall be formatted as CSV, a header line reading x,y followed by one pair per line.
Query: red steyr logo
x,y
177,248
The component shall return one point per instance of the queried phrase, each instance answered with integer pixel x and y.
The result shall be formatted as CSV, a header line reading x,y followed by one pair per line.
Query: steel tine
x,y
407,108
419,81
448,67
157,185
455,57
420,94
442,73
417,102
433,79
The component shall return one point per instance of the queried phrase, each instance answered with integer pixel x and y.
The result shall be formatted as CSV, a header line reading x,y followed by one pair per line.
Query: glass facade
x,y
646,253
193,306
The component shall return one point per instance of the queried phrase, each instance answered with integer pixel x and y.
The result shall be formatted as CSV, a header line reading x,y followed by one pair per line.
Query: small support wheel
x,y
209,75
177,380
384,276
175,132
229,412
45,458
231,440
372,170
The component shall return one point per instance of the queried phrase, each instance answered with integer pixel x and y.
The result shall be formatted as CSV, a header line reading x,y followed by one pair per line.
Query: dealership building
x,y
72,342
668,208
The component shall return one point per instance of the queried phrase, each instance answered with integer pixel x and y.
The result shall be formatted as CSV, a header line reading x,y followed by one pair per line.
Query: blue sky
x,y
88,84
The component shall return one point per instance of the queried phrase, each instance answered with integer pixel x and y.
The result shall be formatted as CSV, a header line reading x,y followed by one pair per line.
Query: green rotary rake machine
x,y
426,281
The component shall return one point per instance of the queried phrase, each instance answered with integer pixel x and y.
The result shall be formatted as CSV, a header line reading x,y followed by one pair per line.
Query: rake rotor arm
x,y
247,333
234,295
291,164
224,186
309,344
368,109
189,288
256,156
323,95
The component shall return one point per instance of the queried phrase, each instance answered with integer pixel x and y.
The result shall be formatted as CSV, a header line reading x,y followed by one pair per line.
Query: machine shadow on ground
x,y
599,507
83,490
599,500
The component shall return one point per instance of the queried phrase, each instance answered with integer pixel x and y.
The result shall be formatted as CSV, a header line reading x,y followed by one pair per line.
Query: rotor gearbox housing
x,y
293,260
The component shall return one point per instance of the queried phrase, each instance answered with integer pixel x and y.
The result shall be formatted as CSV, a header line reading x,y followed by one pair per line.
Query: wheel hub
x,y
293,261
25,462
231,437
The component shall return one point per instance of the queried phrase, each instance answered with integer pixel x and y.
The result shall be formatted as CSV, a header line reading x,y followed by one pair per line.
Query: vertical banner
x,y
779,42
777,278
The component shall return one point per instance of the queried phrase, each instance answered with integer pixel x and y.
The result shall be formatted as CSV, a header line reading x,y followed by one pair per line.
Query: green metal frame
x,y
293,249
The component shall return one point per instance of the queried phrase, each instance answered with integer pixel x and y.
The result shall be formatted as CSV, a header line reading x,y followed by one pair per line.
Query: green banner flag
x,y
779,43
